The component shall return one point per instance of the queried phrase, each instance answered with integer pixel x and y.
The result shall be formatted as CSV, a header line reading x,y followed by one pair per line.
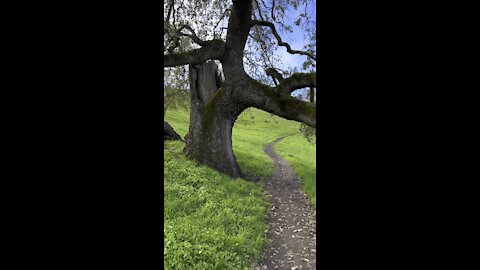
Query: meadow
x,y
212,221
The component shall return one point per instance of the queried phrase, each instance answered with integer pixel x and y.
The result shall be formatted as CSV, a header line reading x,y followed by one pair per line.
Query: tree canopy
x,y
191,26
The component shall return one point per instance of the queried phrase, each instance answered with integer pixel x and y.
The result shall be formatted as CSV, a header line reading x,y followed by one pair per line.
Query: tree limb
x,y
259,10
273,7
296,81
170,10
280,41
178,32
193,35
263,97
274,74
213,49
221,18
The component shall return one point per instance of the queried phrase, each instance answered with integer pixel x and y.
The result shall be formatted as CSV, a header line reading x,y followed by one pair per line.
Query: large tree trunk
x,y
212,116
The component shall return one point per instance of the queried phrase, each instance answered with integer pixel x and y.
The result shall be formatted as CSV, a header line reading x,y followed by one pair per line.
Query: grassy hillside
x,y
302,156
212,221
250,135
252,131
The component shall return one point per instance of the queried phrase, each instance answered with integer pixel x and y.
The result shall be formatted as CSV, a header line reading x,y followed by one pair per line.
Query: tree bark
x,y
212,116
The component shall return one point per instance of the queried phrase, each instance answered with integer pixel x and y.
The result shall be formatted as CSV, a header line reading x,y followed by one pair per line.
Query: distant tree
x,y
174,99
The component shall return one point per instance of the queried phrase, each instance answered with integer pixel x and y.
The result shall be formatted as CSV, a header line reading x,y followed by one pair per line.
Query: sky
x,y
296,42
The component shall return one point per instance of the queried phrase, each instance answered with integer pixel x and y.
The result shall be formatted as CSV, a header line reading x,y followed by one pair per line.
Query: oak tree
x,y
242,36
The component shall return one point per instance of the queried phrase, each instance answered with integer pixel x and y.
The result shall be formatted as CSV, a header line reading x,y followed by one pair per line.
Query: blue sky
x,y
295,40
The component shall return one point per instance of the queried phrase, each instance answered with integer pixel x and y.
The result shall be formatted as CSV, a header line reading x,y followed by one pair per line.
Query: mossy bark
x,y
209,139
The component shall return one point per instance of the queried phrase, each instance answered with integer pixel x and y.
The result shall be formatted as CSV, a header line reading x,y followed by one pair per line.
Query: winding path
x,y
291,220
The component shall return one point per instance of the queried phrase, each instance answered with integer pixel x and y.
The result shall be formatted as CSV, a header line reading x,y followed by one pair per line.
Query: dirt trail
x,y
291,220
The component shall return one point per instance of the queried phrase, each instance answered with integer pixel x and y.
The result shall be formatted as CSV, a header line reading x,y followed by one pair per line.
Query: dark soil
x,y
291,220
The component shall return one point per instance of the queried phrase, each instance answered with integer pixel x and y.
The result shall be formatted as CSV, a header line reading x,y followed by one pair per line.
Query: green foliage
x,y
211,221
309,133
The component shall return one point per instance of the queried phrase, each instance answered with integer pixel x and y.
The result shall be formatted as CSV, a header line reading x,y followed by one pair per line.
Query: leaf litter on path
x,y
291,220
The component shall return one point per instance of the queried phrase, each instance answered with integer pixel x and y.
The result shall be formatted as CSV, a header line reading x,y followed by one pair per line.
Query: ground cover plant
x,y
210,220
213,221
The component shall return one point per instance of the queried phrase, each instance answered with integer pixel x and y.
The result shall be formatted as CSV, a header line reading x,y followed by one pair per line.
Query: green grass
x,y
212,221
302,156
250,136
179,120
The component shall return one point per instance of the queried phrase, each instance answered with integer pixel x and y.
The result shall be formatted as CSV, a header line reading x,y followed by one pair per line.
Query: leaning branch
x,y
214,49
263,97
177,33
280,41
296,81
275,75
221,18
193,35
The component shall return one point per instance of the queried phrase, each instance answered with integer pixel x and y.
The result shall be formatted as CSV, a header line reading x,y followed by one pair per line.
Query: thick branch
x,y
239,25
214,49
274,73
263,97
280,41
296,81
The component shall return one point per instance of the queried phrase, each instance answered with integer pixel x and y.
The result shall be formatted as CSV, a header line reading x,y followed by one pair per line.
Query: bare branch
x,y
170,10
259,10
275,74
263,3
221,18
296,81
280,41
193,35
177,33
214,49
273,7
